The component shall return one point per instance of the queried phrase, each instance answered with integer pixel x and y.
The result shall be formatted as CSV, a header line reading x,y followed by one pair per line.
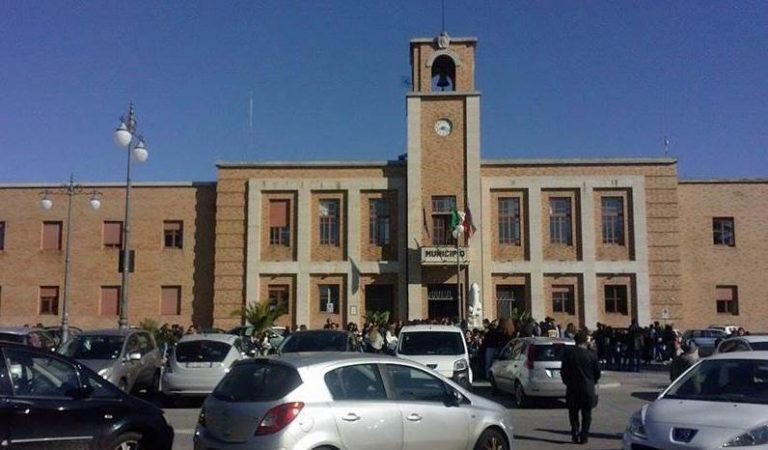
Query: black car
x,y
50,401
319,341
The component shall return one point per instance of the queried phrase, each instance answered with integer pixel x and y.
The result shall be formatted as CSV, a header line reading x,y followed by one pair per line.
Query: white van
x,y
439,347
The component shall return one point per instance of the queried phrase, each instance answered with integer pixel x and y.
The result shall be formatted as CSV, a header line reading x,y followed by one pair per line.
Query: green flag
x,y
455,219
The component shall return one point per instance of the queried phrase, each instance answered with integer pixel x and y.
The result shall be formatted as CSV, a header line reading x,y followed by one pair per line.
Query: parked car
x,y
743,344
54,402
727,329
275,337
346,400
721,401
439,347
704,339
318,341
530,367
35,337
127,358
198,362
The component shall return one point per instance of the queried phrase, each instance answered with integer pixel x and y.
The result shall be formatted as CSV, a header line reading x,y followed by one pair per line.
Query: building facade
x,y
583,241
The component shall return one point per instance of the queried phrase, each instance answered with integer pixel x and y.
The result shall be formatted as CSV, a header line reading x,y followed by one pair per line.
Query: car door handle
x,y
350,417
413,417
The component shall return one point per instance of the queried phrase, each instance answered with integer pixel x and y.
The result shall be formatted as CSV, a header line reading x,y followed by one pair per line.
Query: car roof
x,y
217,337
319,359
749,338
19,330
323,331
428,327
110,332
740,355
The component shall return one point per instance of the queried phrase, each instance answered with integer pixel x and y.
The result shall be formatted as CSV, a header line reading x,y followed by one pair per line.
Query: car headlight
x,y
105,373
755,436
636,426
460,365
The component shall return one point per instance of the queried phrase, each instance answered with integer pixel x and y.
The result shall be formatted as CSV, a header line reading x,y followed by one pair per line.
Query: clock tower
x,y
443,173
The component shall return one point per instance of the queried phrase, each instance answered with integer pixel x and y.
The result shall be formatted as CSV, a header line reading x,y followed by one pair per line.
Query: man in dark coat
x,y
580,372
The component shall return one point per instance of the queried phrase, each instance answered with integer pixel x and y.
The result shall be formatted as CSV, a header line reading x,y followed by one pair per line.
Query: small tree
x,y
260,315
377,318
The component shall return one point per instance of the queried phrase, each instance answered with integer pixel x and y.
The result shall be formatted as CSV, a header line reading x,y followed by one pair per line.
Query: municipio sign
x,y
443,256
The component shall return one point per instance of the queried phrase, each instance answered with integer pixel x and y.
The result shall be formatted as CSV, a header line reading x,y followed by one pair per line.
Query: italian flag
x,y
460,218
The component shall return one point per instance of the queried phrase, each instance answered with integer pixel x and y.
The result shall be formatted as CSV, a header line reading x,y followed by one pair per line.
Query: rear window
x,y
8,337
201,351
260,381
309,341
550,352
431,343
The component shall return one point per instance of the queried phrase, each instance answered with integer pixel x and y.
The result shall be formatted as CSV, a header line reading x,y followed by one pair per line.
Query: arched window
x,y
443,74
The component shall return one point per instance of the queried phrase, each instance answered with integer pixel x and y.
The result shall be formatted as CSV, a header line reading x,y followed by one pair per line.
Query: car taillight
x,y
531,356
278,418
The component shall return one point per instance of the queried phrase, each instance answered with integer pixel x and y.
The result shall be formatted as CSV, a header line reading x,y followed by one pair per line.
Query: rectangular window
x,y
110,301
613,220
279,223
173,233
49,300
562,300
329,298
616,301
509,220
329,222
442,211
723,231
2,236
170,301
378,215
278,297
51,236
560,220
112,234
727,299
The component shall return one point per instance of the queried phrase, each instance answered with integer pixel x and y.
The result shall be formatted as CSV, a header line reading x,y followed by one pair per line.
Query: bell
x,y
442,82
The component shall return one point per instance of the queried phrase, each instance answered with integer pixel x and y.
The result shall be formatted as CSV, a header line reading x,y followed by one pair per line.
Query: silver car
x,y
198,362
346,401
530,367
720,402
127,358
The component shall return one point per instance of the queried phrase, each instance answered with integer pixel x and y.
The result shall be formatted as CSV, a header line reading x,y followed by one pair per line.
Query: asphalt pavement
x,y
542,426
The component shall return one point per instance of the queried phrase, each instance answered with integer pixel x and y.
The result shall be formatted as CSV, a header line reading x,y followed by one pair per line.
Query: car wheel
x,y
494,387
491,440
126,441
521,400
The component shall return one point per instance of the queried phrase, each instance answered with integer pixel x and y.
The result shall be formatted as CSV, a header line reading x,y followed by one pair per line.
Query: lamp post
x,y
126,136
70,190
458,230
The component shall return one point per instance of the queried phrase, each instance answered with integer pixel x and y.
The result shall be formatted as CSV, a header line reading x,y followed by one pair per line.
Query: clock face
x,y
443,127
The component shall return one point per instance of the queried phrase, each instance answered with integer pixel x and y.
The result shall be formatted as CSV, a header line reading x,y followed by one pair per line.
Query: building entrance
x,y
509,297
442,301
379,298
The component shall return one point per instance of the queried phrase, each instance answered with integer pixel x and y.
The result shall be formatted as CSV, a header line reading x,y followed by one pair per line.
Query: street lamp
x,y
457,232
126,136
70,190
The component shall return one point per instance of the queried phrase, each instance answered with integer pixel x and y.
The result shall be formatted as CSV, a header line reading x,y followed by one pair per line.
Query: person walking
x,y
683,361
580,372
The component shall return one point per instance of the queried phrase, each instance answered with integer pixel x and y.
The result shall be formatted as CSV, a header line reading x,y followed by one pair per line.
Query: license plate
x,y
197,365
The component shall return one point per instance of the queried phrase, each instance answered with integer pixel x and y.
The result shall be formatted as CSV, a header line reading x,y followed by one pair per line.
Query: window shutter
x,y
278,213
110,300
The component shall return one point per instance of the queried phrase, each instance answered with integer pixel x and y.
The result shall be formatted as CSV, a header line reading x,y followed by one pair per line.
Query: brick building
x,y
584,241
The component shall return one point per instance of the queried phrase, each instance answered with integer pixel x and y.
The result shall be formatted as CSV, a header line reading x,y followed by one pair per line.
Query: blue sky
x,y
558,79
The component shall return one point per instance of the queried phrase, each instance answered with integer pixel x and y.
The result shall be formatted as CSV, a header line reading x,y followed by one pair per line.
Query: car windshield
x,y
550,352
431,343
201,351
308,341
259,381
724,380
93,347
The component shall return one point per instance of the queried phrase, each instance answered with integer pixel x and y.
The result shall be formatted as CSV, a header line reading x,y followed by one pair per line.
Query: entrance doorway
x,y
442,301
380,298
509,297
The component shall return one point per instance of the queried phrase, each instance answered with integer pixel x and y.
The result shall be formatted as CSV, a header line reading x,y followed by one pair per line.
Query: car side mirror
x,y
134,356
452,397
84,392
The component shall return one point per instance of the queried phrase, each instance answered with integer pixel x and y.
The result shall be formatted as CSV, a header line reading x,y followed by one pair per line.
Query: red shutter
x,y
51,235
172,226
170,303
724,293
278,213
113,234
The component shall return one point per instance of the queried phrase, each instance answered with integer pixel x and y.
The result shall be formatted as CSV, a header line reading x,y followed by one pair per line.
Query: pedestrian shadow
x,y
520,437
592,435
647,396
